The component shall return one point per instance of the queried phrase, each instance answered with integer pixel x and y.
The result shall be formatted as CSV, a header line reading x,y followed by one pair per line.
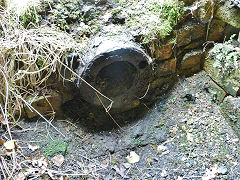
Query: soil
x,y
183,136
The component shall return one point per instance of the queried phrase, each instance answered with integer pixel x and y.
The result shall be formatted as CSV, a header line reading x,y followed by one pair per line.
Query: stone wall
x,y
182,53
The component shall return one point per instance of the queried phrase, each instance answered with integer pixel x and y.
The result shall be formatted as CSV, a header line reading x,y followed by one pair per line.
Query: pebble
x,y
161,137
137,132
126,165
161,148
164,173
222,170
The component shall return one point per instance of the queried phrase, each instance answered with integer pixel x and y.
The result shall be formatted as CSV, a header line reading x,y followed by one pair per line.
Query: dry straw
x,y
28,57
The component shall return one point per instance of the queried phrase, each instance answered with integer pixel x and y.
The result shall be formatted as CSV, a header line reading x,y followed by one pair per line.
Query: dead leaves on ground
x,y
58,160
7,147
38,167
32,168
133,157
3,120
33,147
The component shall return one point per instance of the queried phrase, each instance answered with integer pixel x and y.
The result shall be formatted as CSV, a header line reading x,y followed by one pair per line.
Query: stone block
x,y
192,59
229,82
231,111
44,104
216,92
165,68
216,30
228,13
188,2
162,52
189,33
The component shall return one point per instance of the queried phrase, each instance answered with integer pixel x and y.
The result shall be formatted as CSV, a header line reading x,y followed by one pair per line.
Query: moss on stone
x,y
153,19
229,14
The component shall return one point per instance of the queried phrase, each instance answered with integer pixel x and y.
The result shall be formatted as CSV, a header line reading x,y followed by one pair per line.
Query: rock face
x,y
217,93
231,111
190,32
230,83
120,73
46,105
229,12
191,62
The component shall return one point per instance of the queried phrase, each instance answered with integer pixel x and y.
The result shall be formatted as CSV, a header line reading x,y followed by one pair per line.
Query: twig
x,y
31,107
88,84
107,111
5,107
145,92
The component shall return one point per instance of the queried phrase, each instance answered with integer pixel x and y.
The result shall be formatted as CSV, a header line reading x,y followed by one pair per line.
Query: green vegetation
x,y
31,16
138,141
226,56
28,58
65,12
55,147
154,19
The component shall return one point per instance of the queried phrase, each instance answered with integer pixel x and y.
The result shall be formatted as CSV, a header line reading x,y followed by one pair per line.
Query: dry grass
x,y
28,57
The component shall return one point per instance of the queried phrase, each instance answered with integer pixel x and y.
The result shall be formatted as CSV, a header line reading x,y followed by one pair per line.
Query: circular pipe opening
x,y
116,78
142,64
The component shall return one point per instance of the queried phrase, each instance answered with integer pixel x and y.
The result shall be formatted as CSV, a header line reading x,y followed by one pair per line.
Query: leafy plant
x,y
226,56
55,147
65,12
30,16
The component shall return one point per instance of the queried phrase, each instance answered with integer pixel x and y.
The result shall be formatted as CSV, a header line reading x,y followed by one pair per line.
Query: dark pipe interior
x,y
116,78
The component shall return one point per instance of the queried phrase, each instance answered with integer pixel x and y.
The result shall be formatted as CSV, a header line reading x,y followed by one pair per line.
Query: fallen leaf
x,y
10,145
68,128
1,142
126,165
133,157
33,147
21,176
58,160
120,170
210,173
64,178
3,120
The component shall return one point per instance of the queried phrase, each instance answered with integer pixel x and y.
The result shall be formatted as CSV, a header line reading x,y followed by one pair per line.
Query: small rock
x,y
161,137
137,132
110,146
126,165
164,173
161,148
222,170
58,160
109,177
189,97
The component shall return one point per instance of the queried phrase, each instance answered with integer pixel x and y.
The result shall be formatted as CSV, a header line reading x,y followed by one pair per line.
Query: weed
x,y
55,147
30,16
226,56
28,58
138,141
65,12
